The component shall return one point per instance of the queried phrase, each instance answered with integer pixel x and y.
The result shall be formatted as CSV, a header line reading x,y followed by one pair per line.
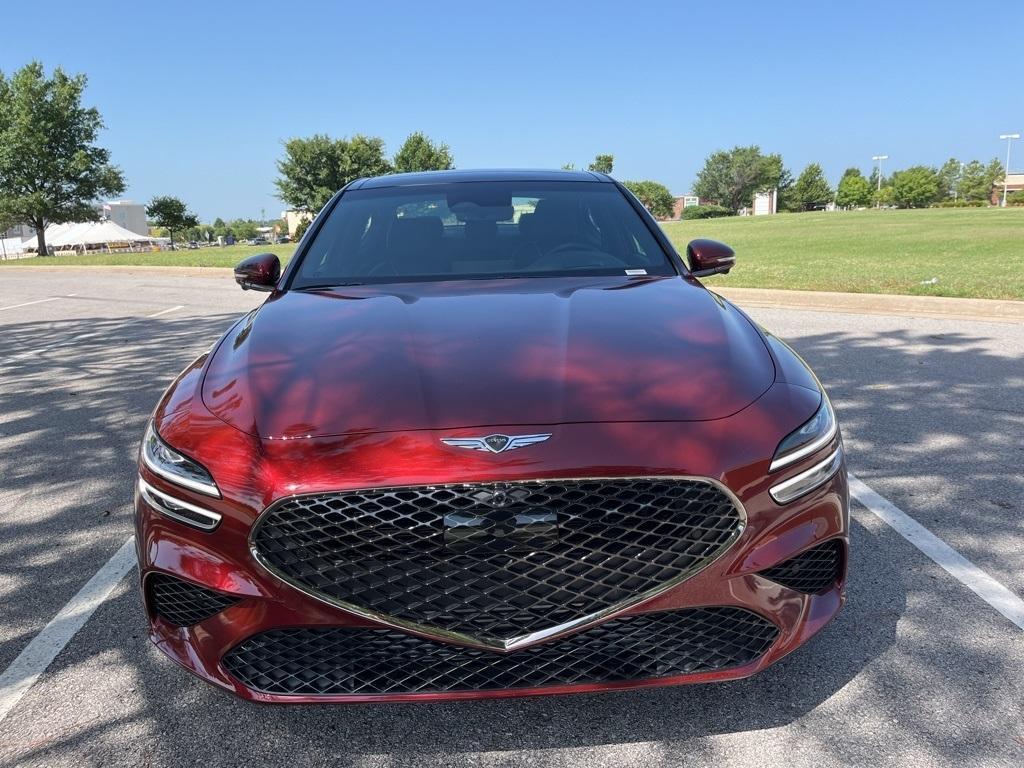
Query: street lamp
x,y
879,159
1006,176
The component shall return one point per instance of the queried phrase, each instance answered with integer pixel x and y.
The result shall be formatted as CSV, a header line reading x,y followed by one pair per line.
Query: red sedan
x,y
489,436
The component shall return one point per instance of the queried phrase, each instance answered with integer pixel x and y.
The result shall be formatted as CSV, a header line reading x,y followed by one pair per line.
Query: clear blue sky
x,y
197,97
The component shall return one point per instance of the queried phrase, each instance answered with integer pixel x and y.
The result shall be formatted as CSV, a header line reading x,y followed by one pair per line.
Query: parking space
x,y
917,669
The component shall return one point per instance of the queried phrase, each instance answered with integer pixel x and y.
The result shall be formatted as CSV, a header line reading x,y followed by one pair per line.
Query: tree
x,y
569,167
915,187
949,178
171,214
244,229
854,191
873,181
313,169
976,179
602,164
655,197
732,178
51,170
883,197
419,153
811,190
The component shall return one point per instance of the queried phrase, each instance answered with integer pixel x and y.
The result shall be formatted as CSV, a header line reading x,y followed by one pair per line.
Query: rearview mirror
x,y
709,257
259,273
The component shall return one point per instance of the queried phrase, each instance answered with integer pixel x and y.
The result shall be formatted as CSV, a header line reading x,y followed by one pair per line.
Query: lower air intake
x,y
813,571
334,661
182,603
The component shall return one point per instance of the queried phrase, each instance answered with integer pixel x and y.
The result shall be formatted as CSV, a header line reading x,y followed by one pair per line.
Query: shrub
x,y
1015,198
960,204
705,212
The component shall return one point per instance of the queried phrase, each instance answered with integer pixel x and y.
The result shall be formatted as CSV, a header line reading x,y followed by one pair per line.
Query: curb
x,y
940,307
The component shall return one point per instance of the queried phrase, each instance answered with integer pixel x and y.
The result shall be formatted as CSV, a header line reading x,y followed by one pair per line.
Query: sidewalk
x,y
984,310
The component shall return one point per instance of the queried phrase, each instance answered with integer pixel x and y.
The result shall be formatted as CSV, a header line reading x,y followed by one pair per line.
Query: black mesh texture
x,y
813,571
334,661
537,554
182,603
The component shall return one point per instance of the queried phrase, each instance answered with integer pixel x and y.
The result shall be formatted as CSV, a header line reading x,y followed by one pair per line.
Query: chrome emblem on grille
x,y
495,443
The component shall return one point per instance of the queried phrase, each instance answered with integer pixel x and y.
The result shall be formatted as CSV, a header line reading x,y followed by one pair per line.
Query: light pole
x,y
1006,175
879,159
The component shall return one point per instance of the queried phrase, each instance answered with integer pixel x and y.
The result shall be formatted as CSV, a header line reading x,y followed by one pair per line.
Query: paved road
x,y
917,670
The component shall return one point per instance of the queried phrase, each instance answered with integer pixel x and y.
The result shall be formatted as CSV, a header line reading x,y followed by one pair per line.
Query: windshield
x,y
480,230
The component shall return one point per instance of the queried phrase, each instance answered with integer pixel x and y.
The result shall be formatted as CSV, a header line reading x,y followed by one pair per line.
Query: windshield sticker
x,y
636,271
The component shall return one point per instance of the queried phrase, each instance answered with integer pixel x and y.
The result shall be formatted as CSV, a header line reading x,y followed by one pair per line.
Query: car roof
x,y
460,175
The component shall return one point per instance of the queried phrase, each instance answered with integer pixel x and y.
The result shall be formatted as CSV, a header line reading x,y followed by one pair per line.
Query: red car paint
x,y
353,388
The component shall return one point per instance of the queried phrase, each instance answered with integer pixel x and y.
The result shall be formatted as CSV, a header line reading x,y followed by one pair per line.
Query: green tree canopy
x,y
313,169
51,170
854,191
602,164
171,214
419,153
949,178
732,178
915,187
655,197
811,190
976,179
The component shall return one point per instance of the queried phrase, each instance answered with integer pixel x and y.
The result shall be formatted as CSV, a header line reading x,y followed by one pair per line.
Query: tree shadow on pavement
x,y
915,669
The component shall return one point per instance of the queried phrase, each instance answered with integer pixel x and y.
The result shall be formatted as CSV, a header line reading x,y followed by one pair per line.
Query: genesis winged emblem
x,y
495,443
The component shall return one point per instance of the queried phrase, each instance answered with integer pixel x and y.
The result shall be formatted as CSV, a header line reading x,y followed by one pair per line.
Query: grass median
x,y
963,252
228,256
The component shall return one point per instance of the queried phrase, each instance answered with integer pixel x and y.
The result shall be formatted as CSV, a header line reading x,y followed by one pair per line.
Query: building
x,y
127,214
1014,183
765,203
683,201
294,218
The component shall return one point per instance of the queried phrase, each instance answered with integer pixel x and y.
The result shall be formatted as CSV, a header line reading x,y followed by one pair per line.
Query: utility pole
x,y
878,159
1006,171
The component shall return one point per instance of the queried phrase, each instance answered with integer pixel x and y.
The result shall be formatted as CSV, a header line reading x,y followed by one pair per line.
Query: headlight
x,y
173,467
813,435
808,480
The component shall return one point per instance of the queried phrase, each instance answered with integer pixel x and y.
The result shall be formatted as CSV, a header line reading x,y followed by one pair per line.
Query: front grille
x,y
813,571
182,603
335,661
494,561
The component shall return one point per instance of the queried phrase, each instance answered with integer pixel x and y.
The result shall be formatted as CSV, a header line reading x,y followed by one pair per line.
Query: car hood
x,y
496,353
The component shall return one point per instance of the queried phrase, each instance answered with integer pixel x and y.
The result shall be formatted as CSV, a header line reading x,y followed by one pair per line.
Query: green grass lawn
x,y
227,256
974,252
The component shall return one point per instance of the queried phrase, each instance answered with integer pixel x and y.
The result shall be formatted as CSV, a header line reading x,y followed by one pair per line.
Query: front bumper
x,y
259,607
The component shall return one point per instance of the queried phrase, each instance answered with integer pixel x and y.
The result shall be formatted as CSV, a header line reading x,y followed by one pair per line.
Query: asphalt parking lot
x,y
919,669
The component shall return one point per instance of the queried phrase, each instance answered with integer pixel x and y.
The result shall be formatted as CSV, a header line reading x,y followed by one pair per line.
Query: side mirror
x,y
709,257
259,273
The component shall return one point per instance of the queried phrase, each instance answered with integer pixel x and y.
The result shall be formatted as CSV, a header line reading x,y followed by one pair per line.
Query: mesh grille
x,y
496,561
813,571
335,661
182,603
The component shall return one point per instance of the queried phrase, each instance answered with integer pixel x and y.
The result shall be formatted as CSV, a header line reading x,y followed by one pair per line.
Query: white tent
x,y
94,233
10,246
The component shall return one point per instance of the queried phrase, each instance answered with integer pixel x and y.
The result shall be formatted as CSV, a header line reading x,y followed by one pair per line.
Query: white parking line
x,y
955,564
40,350
38,654
166,311
29,303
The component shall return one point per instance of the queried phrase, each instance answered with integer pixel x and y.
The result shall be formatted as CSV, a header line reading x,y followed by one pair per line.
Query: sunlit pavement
x,y
917,670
